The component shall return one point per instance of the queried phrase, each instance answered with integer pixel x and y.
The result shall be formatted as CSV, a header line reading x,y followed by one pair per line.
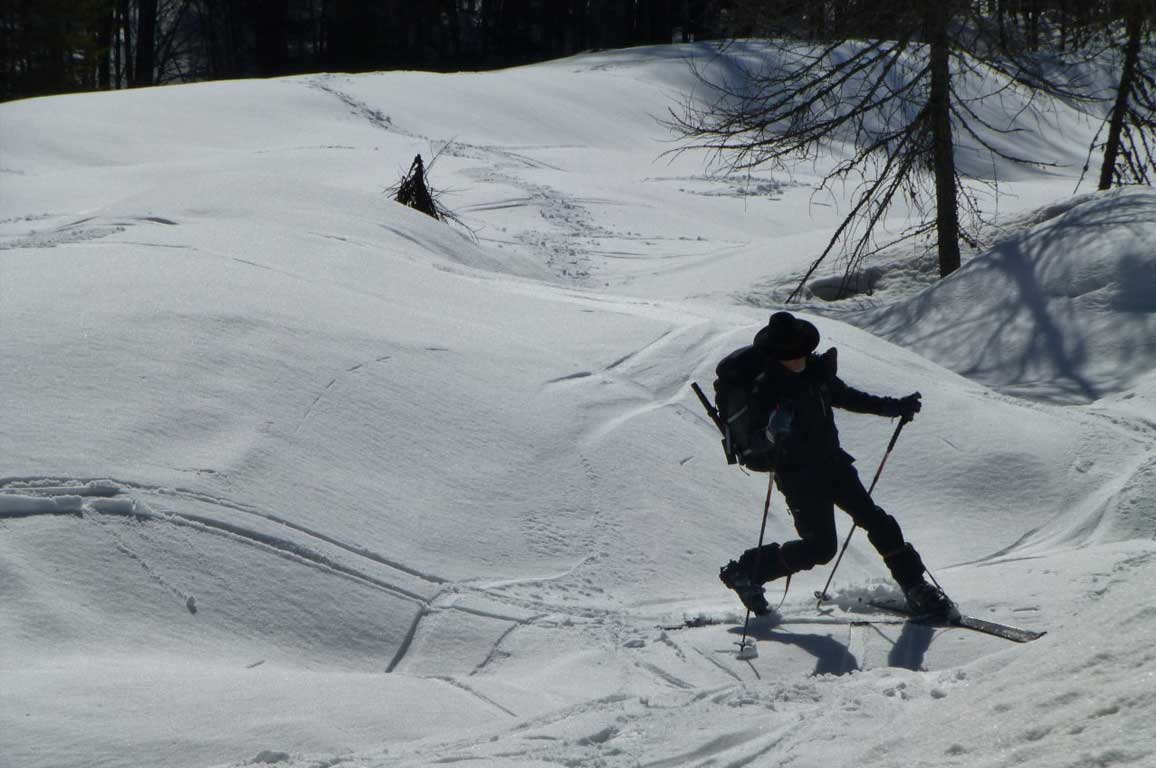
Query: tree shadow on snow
x,y
1017,319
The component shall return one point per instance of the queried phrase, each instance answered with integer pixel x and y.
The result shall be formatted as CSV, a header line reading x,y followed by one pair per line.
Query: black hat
x,y
786,337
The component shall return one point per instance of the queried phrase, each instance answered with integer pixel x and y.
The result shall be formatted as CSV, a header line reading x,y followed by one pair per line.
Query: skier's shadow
x,y
831,656
835,658
910,648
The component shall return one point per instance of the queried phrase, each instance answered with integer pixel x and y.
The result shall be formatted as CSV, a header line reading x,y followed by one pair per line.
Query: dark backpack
x,y
742,419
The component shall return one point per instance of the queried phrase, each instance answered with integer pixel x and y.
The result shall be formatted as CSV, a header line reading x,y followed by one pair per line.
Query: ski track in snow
x,y
693,669
462,686
357,368
95,501
496,649
572,241
87,229
569,221
101,523
633,369
356,106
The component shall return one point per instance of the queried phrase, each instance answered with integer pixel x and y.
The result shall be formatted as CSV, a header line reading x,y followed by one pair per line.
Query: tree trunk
x,y
485,29
450,8
1123,94
1033,23
353,34
943,150
1065,23
53,75
271,36
144,71
104,43
209,21
320,35
124,71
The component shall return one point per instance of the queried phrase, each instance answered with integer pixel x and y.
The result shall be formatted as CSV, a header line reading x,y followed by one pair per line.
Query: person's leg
x,y
882,529
813,511
885,535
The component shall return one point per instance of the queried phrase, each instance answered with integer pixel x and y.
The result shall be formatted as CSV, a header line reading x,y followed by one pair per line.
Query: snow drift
x,y
1065,311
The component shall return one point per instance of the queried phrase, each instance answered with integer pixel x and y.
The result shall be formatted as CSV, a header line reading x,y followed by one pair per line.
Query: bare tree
x,y
1131,143
902,85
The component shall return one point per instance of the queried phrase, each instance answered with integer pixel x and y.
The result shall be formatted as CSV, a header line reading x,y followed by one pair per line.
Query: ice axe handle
x,y
710,409
718,422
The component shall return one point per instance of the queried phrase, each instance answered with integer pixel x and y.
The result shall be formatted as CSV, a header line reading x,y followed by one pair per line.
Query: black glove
x,y
907,407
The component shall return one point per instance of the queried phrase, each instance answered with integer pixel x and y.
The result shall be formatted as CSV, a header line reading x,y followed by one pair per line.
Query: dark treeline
x,y
59,46
1061,24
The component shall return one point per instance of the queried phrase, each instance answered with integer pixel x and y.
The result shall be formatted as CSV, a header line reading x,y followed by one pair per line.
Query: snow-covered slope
x,y
1067,308
294,473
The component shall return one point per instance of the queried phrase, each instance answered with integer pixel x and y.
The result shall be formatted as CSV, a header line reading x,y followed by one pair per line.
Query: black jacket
x,y
810,397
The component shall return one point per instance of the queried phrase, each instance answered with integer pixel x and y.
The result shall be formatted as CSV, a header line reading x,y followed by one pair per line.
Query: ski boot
x,y
924,599
735,577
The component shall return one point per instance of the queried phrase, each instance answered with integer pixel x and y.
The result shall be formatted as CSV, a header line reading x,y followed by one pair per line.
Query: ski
x,y
1015,634
853,620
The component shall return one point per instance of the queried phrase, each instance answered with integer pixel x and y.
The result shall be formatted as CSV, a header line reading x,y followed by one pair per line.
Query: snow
x,y
296,476
1065,308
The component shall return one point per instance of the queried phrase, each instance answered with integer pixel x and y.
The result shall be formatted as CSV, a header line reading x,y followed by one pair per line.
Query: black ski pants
x,y
812,495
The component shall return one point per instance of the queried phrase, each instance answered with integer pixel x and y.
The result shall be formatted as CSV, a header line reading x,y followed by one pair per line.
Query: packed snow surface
x,y
293,475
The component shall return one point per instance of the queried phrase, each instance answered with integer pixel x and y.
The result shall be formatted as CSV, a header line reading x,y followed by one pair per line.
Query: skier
x,y
794,396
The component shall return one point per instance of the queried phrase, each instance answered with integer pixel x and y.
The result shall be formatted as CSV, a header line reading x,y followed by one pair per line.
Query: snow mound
x,y
1067,308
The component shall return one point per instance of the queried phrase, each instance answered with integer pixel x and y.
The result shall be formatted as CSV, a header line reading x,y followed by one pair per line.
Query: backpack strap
x,y
829,363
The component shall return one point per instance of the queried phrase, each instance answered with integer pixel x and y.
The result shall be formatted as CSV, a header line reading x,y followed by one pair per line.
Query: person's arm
x,y
850,399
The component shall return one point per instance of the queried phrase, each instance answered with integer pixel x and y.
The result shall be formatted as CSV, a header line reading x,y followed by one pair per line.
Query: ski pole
x,y
847,542
758,563
752,653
